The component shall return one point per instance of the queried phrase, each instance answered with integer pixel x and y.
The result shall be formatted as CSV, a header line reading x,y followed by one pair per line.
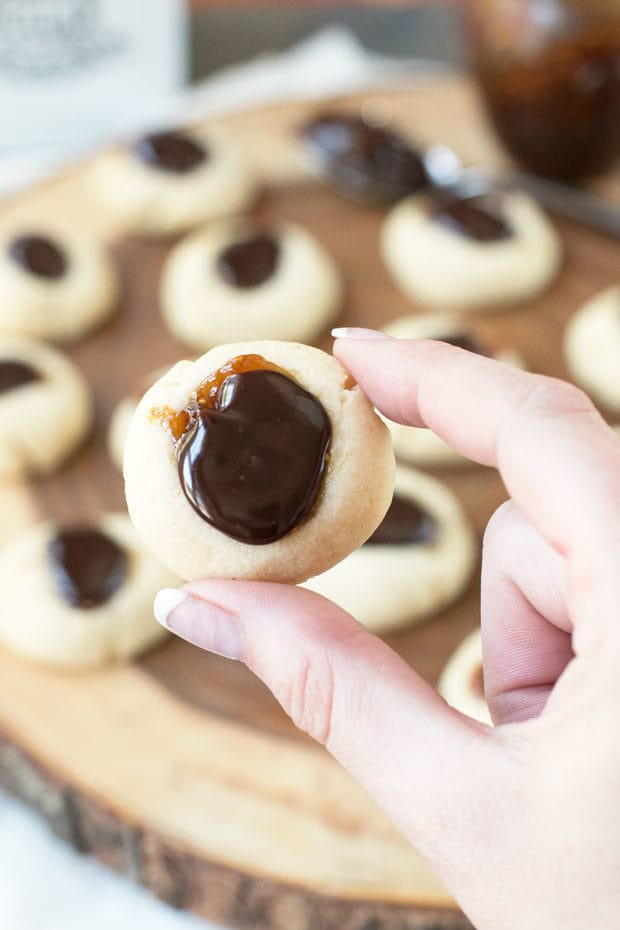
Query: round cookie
x,y
461,682
477,253
365,163
122,416
45,407
422,446
55,283
167,182
119,427
234,281
80,597
592,347
418,561
297,472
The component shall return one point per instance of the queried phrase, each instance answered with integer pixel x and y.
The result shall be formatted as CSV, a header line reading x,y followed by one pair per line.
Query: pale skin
x,y
520,820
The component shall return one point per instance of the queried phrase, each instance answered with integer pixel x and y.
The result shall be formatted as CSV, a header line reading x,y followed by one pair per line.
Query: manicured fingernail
x,y
165,602
356,332
201,623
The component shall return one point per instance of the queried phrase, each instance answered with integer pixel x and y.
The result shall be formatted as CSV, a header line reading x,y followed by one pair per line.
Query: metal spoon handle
x,y
571,202
446,172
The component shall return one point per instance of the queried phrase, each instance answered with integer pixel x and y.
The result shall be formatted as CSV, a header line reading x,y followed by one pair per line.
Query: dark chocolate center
x,y
39,256
14,374
464,340
405,523
366,163
476,218
253,465
88,567
249,262
171,151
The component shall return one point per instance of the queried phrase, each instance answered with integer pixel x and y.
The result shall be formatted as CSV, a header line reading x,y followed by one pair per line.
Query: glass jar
x,y
549,73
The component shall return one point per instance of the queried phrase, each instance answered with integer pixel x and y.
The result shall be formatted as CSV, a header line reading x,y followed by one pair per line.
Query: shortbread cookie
x,y
167,182
260,460
422,446
462,680
482,252
45,407
592,347
369,164
234,281
122,416
417,562
80,597
55,283
119,427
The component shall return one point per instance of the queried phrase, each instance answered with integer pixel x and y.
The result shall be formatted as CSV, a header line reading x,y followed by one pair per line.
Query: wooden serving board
x,y
181,771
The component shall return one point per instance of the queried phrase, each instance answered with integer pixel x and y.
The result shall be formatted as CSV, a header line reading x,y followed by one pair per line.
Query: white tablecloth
x,y
43,884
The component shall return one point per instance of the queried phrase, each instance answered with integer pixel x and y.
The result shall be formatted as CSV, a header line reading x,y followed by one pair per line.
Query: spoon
x,y
447,173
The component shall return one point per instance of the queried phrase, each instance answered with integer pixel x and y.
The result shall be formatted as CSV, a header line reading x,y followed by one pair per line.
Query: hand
x,y
520,820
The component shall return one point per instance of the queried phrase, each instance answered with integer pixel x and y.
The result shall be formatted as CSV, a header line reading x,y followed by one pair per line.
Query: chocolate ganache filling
x,y
39,256
369,164
250,261
405,523
252,450
88,567
171,151
15,374
478,218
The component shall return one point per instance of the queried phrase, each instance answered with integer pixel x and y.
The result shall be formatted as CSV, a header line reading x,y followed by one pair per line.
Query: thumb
x,y
390,729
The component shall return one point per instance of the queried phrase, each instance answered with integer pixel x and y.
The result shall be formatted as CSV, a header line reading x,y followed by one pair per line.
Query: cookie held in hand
x,y
260,460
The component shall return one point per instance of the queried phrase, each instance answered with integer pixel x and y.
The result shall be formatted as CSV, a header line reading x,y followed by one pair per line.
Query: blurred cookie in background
x,y
235,281
592,347
422,446
56,282
81,596
168,182
122,414
462,680
415,564
483,252
45,407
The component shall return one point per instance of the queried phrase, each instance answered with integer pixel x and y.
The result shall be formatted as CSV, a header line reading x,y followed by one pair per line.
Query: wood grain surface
x,y
181,771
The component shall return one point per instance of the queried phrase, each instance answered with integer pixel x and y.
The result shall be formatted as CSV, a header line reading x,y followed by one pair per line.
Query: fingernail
x,y
357,332
201,623
165,602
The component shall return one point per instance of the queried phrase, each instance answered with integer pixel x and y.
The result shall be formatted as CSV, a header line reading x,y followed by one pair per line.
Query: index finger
x,y
559,460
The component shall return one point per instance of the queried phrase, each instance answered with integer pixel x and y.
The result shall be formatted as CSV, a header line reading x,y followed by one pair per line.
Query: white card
x,y
77,70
